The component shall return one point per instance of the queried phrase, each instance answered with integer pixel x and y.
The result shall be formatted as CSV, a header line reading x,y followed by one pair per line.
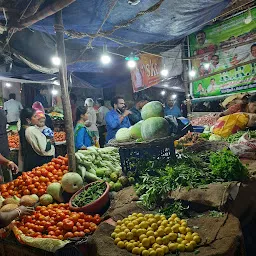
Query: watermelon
x,y
155,128
152,109
136,130
123,135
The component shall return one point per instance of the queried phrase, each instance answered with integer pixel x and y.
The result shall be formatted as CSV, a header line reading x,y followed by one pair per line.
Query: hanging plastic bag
x,y
230,124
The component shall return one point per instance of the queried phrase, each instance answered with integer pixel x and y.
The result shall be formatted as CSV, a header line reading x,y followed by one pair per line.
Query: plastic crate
x,y
130,156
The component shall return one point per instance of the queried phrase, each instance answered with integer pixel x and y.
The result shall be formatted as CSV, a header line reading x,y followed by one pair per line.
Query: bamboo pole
x,y
59,28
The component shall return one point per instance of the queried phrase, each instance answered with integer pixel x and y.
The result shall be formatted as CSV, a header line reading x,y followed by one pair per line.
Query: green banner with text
x,y
229,46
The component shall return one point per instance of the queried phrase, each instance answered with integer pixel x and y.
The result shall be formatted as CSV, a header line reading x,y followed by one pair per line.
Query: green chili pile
x,y
89,195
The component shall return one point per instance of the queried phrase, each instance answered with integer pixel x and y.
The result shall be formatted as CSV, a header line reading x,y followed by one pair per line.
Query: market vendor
x,y
41,97
35,149
249,107
117,118
171,109
239,98
83,137
135,116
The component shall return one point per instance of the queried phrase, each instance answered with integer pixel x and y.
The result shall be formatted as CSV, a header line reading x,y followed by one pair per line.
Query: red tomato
x,y
87,218
68,224
75,217
26,192
68,235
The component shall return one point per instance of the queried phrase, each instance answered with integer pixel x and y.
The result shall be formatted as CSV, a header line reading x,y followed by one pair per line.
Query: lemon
x,y
165,223
152,253
146,242
136,244
142,237
140,215
119,222
172,236
184,242
140,232
132,241
166,249
144,224
189,237
113,235
140,219
193,243
177,220
152,239
179,240
189,248
182,230
117,240
160,232
136,250
175,228
160,252
166,240
117,230
195,234
150,229
157,217
127,230
142,248
145,253
181,247
136,227
155,246
135,222
182,236
172,247
154,226
159,222
188,230
151,221
129,247
159,240
197,239
134,232
123,228
167,230
134,214
129,236
120,244
122,235
130,226
150,233
173,216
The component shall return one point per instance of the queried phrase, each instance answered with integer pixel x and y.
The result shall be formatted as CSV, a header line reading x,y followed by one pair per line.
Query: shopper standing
x,y
12,108
101,122
117,118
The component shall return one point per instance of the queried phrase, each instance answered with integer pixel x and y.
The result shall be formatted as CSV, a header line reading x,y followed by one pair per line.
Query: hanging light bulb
x,y
131,63
105,58
164,72
206,65
163,92
56,60
8,85
192,73
132,60
174,96
54,92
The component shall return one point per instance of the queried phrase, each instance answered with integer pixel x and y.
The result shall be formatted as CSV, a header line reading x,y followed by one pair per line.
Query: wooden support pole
x,y
59,28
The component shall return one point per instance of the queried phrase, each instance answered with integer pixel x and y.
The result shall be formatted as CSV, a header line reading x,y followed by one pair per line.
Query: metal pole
x,y
59,28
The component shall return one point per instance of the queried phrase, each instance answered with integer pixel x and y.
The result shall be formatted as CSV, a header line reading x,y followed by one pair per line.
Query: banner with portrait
x,y
146,73
229,46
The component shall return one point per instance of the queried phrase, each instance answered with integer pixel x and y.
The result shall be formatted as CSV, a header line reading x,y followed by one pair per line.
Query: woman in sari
x,y
83,138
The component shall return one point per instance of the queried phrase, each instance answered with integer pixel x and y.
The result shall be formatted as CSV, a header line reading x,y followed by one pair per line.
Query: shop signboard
x,y
229,46
146,73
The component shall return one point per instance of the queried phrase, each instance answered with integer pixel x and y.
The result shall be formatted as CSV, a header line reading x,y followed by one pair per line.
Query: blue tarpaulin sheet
x,y
172,21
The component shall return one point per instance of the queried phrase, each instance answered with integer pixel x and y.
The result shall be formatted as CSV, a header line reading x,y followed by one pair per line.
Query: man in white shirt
x,y
101,122
12,108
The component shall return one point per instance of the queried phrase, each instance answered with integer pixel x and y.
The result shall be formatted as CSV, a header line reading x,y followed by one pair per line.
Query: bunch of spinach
x,y
224,164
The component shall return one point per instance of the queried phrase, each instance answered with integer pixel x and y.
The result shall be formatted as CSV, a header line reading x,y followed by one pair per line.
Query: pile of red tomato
x,y
58,222
37,180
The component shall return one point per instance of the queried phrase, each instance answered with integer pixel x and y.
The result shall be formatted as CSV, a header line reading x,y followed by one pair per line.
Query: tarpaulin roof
x,y
111,22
